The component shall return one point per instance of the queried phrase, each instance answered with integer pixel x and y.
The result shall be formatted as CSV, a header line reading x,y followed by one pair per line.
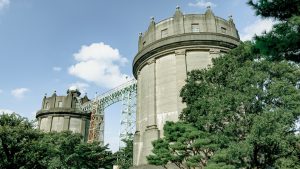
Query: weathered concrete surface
x,y
167,51
61,113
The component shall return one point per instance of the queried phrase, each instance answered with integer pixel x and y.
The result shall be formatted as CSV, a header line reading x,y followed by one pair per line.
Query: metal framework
x,y
126,93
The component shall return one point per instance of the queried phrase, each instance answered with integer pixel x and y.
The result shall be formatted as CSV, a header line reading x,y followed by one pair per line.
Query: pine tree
x,y
283,41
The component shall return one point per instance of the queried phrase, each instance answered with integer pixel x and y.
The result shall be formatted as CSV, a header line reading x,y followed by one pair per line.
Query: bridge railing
x,y
111,96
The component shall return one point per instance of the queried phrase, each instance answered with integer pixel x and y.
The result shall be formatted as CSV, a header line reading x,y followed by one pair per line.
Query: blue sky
x,y
48,45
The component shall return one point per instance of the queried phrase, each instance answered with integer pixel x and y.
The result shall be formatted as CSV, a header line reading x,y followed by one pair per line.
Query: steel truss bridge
x,y
125,93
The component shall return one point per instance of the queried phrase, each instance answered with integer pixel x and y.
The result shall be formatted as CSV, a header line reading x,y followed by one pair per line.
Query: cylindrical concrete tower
x,y
166,52
60,113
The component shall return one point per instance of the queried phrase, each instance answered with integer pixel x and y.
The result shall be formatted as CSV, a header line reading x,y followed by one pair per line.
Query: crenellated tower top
x,y
189,23
182,28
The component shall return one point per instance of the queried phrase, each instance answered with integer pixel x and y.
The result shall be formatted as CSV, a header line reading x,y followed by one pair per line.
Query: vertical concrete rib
x,y
137,136
181,75
50,118
83,123
151,114
66,123
138,116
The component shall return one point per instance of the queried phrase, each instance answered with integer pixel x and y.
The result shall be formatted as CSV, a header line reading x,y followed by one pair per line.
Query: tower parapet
x,y
189,29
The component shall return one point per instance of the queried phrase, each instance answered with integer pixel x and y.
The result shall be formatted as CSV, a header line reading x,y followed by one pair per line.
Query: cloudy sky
x,y
48,45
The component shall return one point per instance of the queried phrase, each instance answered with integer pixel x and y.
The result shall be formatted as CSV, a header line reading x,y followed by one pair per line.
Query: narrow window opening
x,y
195,27
60,104
47,106
164,33
223,30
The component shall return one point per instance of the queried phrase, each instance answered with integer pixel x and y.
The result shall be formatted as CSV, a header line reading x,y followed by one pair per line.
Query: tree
x,y
248,101
282,42
67,150
125,155
183,145
90,156
278,9
246,107
22,146
17,137
251,105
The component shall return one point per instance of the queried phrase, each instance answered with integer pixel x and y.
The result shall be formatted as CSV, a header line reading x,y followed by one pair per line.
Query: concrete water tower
x,y
61,113
166,52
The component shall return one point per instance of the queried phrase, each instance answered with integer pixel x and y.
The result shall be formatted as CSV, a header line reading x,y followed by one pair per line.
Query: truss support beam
x,y
127,117
126,94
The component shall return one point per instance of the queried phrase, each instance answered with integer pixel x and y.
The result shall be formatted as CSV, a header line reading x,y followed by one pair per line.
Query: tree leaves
x,y
279,9
254,106
125,155
282,42
240,114
22,146
183,145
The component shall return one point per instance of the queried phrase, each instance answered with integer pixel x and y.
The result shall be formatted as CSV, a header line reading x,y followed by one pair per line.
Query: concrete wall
x,y
159,85
57,123
62,123
197,60
166,90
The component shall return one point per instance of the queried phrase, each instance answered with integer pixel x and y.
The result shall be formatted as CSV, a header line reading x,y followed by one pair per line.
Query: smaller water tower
x,y
61,113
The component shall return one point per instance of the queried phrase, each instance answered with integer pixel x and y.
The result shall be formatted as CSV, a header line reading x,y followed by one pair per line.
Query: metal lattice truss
x,y
125,93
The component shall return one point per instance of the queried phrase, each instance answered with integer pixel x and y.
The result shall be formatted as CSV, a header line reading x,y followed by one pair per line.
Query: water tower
x,y
166,52
61,113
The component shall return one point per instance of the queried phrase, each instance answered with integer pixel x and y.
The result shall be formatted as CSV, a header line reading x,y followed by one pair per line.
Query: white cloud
x,y
56,69
6,111
1,91
99,63
82,87
19,92
256,28
202,4
4,3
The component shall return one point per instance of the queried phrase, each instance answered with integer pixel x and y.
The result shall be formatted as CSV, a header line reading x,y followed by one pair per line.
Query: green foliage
x,y
162,153
240,113
125,155
242,110
22,146
90,156
17,137
66,150
250,106
183,145
279,9
282,42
